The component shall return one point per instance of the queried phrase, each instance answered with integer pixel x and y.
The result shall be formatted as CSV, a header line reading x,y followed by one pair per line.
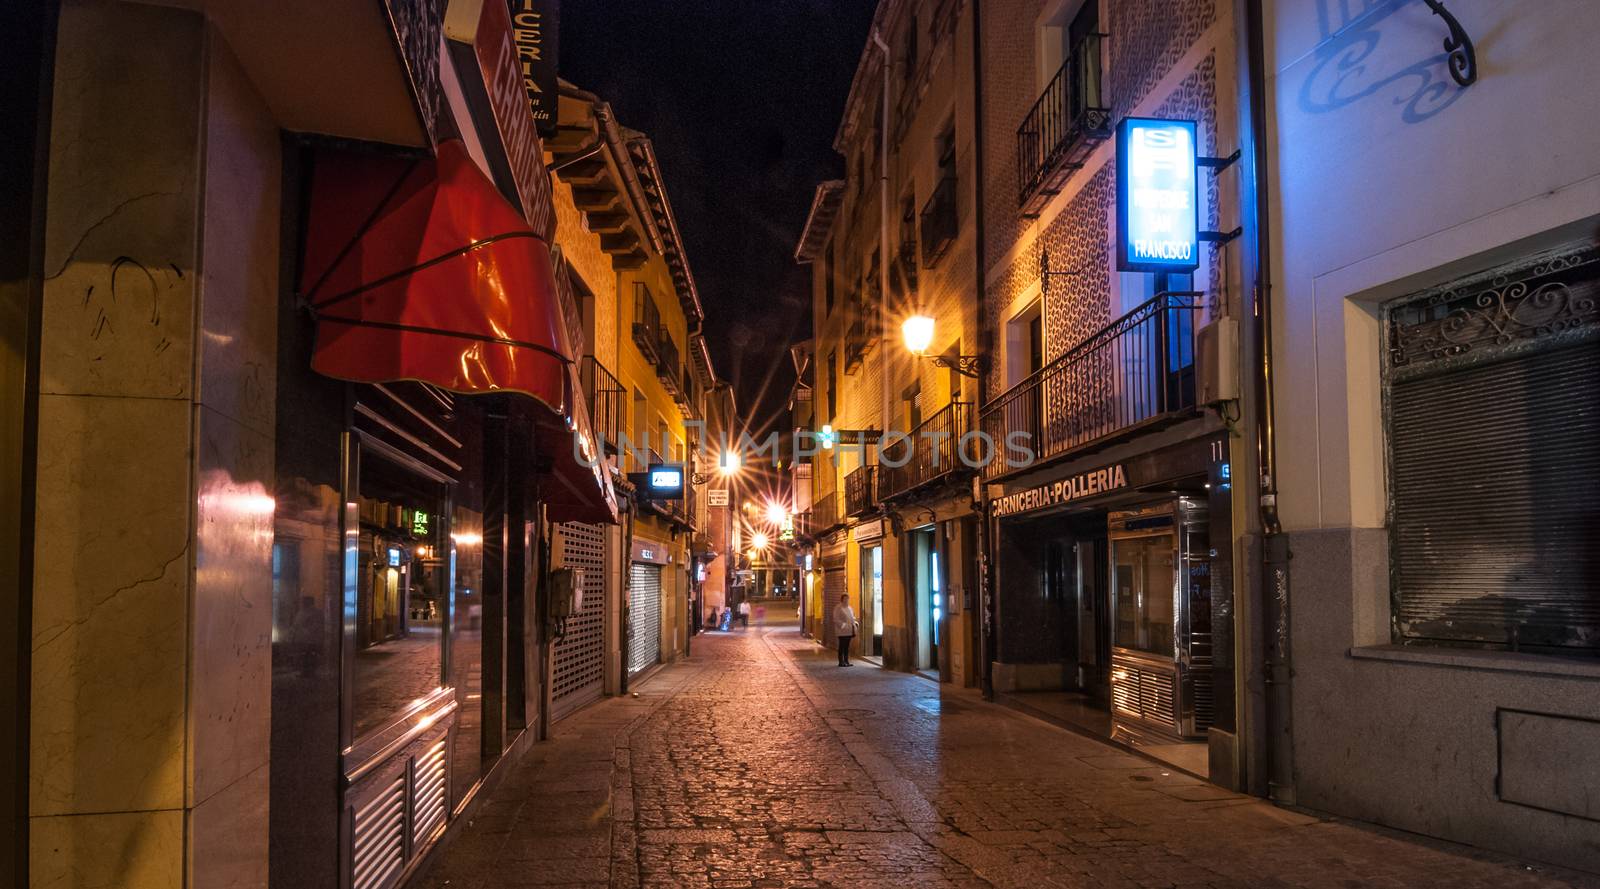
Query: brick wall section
x,y
1147,39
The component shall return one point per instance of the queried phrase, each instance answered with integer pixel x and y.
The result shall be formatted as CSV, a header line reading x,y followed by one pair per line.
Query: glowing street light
x,y
729,463
776,513
758,541
918,334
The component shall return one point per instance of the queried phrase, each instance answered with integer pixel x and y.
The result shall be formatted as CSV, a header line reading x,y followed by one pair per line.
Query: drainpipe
x,y
884,340
1274,579
987,628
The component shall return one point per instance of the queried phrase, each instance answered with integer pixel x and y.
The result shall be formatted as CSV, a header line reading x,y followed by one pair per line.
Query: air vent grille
x,y
379,849
428,794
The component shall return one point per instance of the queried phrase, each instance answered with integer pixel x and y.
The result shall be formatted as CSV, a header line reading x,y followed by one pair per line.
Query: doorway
x,y
926,601
872,600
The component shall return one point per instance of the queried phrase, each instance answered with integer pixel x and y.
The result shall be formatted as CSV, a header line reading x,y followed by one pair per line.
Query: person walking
x,y
844,624
744,613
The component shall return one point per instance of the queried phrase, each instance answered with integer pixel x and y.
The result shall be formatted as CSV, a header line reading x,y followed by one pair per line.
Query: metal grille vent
x,y
428,794
644,640
1147,694
1205,701
379,840
579,673
1156,698
833,586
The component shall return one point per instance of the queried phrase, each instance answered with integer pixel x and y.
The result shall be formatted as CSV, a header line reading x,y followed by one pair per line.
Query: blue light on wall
x,y
1158,214
666,478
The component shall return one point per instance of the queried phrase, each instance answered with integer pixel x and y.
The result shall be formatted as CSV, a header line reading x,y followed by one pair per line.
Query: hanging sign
x,y
535,28
1158,216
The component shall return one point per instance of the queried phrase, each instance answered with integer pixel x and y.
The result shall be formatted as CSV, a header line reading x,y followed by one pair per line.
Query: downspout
x,y
884,340
986,636
1274,579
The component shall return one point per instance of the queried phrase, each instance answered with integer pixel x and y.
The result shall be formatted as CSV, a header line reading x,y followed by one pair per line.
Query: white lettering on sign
x,y
1085,484
1157,196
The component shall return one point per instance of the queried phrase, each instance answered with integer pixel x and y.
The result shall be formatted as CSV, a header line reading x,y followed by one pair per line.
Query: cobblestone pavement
x,y
757,763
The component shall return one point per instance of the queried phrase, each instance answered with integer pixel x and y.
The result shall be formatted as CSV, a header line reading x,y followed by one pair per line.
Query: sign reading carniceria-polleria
x,y
1066,490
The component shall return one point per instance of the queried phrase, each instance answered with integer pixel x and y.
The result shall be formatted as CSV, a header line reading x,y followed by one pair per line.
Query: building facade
x,y
325,354
1436,417
892,520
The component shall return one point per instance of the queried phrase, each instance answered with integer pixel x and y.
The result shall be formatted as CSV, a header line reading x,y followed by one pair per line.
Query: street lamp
x,y
729,463
776,513
758,541
917,331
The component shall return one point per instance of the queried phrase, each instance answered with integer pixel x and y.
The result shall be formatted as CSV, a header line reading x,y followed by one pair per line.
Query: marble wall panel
x,y
110,605
240,257
228,836
230,660
119,850
120,241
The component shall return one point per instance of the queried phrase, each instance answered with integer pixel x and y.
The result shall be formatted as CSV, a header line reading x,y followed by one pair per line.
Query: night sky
x,y
742,99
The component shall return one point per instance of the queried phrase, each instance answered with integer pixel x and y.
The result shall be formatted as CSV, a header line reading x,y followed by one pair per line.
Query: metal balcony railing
x,y
668,367
928,453
940,222
605,397
825,514
860,492
647,330
859,336
1069,118
1136,372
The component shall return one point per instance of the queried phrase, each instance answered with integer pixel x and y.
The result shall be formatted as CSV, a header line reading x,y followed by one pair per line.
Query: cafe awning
x,y
418,269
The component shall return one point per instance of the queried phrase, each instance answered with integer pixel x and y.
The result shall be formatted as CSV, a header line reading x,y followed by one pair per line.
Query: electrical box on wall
x,y
566,592
1217,357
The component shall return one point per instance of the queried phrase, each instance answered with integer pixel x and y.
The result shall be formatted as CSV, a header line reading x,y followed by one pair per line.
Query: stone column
x,y
152,600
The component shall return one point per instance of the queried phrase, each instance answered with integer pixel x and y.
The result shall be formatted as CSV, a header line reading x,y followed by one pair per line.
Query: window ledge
x,y
1496,661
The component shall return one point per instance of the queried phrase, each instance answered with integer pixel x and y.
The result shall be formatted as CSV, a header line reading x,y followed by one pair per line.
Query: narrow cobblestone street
x,y
757,762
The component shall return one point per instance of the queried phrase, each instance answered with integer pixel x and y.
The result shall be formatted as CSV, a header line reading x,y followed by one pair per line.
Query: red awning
x,y
420,270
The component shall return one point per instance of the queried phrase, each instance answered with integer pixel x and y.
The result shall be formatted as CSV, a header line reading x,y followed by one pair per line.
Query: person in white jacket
x,y
844,624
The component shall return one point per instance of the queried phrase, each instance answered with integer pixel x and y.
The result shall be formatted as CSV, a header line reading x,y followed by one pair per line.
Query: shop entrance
x,y
872,600
926,586
1106,623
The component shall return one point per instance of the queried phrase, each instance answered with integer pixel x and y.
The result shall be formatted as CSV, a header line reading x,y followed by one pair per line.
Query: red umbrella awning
x,y
420,270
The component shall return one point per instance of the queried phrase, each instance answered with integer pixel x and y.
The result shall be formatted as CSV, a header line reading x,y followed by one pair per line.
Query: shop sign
x,y
535,28
716,496
1158,216
480,37
868,530
1084,484
645,550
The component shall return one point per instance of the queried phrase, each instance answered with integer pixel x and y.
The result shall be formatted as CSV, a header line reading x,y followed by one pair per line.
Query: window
x,y
912,396
828,272
1493,422
403,569
910,54
833,385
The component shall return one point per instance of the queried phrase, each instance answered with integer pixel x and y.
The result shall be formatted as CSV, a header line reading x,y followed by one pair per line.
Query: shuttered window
x,y
579,670
1493,402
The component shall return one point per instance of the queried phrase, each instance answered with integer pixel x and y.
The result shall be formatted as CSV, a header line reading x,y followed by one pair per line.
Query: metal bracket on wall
x,y
1221,237
1463,61
1218,164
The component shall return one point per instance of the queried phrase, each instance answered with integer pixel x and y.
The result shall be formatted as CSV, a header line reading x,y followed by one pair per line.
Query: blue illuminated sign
x,y
666,478
1158,214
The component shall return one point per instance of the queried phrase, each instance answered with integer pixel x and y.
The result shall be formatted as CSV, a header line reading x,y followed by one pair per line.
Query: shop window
x,y
402,572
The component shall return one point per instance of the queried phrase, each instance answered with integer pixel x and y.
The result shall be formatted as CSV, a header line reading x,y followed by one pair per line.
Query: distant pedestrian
x,y
844,624
744,614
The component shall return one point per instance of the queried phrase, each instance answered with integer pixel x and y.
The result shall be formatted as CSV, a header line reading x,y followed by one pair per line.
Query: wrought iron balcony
x,y
824,514
1135,373
940,222
1069,118
605,397
647,330
860,492
859,337
928,453
668,368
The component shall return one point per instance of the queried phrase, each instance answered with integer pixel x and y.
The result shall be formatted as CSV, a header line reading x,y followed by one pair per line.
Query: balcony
x,y
824,514
605,397
929,453
940,223
647,329
1132,375
860,494
1069,119
668,367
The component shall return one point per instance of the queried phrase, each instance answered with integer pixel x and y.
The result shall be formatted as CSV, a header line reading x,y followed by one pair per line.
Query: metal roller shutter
x,y
834,585
579,673
1494,446
644,639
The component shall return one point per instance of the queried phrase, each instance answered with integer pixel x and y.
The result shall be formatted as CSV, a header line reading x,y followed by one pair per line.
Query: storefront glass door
x,y
1144,584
